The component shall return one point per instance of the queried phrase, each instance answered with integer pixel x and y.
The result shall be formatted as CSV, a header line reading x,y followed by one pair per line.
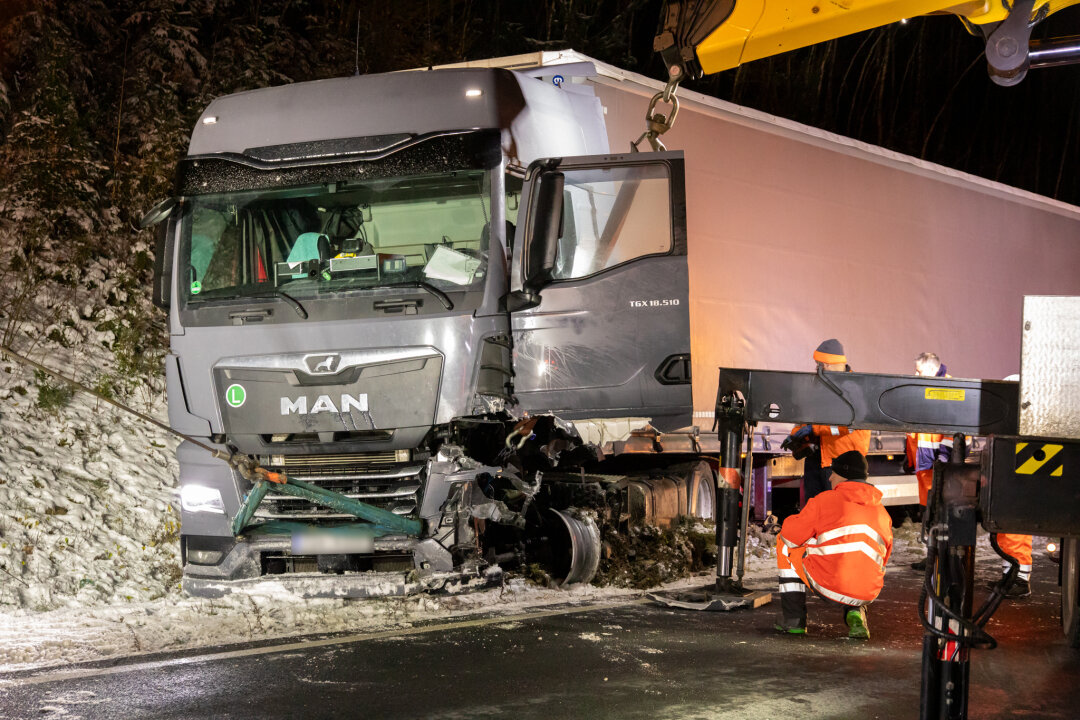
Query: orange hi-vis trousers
x,y
1019,546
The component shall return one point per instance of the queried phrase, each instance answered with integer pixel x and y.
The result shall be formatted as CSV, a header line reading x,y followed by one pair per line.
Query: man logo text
x,y
323,403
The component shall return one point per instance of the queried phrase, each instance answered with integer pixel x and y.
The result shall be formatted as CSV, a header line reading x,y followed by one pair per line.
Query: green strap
x,y
384,520
248,506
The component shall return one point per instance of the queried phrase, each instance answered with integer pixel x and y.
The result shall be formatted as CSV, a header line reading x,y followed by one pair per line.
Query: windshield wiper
x,y
272,294
443,297
287,298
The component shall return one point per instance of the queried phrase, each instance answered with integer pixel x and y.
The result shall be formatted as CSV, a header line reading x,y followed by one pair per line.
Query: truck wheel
x,y
701,491
584,547
566,545
1070,590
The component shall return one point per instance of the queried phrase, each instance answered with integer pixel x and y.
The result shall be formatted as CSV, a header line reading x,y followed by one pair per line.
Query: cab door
x,y
599,295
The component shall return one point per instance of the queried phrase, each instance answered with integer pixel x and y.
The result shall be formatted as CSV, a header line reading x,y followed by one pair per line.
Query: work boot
x,y
920,565
857,625
791,627
1019,589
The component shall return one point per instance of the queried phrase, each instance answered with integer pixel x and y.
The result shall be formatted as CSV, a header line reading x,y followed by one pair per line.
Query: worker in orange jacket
x,y
924,449
837,546
832,440
1019,546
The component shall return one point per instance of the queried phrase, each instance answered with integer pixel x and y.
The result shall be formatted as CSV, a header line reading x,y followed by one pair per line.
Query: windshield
x,y
340,237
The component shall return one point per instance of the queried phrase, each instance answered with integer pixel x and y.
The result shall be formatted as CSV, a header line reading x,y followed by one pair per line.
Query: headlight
x,y
199,498
204,557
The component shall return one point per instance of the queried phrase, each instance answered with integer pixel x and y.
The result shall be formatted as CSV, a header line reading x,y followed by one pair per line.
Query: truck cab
x,y
374,282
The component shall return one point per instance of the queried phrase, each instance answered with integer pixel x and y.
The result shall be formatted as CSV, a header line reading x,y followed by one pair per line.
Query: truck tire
x,y
1070,590
701,491
582,547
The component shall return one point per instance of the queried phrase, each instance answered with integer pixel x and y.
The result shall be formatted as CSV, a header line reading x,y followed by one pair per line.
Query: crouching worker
x,y
838,546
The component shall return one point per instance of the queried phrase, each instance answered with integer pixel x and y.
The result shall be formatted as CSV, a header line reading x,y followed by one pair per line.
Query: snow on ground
x,y
39,639
94,627
89,565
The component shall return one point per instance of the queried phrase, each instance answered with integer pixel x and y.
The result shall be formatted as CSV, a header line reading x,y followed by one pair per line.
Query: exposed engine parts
x,y
516,493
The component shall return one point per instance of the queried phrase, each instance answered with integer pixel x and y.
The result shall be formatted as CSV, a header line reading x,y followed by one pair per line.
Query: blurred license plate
x,y
328,543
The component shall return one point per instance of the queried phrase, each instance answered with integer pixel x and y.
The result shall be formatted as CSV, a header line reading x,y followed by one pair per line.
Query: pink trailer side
x,y
796,235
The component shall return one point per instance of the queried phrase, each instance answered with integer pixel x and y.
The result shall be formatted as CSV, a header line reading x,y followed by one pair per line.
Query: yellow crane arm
x,y
707,37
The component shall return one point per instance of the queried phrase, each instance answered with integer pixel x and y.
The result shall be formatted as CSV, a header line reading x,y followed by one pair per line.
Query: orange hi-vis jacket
x,y
839,543
837,439
924,449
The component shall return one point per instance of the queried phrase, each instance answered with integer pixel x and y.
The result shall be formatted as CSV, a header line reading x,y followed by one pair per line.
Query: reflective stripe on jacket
x,y
845,539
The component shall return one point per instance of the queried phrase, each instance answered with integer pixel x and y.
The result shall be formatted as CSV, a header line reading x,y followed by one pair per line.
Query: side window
x,y
612,216
214,249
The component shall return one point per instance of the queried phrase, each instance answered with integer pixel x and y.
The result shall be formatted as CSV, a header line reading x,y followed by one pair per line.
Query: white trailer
x,y
890,254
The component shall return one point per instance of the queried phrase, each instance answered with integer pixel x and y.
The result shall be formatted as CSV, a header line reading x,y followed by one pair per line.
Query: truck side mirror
x,y
546,229
161,295
159,212
541,241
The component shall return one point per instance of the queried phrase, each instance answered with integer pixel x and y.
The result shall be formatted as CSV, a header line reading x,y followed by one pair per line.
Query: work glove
x,y
943,454
799,437
800,443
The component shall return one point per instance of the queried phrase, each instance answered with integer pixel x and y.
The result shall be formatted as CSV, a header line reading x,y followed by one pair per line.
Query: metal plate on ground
x,y
709,598
1049,371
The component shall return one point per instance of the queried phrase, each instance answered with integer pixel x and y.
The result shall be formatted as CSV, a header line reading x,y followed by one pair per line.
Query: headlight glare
x,y
199,498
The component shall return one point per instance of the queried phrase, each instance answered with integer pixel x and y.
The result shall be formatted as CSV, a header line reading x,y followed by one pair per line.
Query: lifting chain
x,y
656,124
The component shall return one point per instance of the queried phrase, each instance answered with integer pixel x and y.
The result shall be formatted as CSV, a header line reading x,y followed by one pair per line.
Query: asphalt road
x,y
636,660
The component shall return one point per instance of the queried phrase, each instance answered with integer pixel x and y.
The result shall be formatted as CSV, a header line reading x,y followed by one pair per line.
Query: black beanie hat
x,y
850,465
830,351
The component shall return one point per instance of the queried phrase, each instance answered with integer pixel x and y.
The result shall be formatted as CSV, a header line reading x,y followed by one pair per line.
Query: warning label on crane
x,y
1039,459
954,394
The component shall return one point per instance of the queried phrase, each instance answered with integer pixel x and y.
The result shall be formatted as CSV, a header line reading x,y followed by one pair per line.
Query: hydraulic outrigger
x,y
1001,493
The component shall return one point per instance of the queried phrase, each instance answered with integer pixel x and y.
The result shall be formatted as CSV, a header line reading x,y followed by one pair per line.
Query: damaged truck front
x,y
386,287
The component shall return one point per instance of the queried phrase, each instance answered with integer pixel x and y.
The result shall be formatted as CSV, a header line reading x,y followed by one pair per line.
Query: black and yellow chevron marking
x,y
1039,459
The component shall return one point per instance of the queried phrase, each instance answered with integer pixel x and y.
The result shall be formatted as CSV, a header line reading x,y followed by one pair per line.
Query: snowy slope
x,y
87,501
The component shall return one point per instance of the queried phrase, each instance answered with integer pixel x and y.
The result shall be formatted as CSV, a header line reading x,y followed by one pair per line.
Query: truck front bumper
x,y
241,569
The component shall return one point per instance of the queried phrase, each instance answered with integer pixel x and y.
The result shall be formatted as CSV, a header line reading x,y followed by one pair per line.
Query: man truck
x,y
449,297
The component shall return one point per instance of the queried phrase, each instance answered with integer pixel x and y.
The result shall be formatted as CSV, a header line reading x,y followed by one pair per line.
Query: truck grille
x,y
374,478
303,466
